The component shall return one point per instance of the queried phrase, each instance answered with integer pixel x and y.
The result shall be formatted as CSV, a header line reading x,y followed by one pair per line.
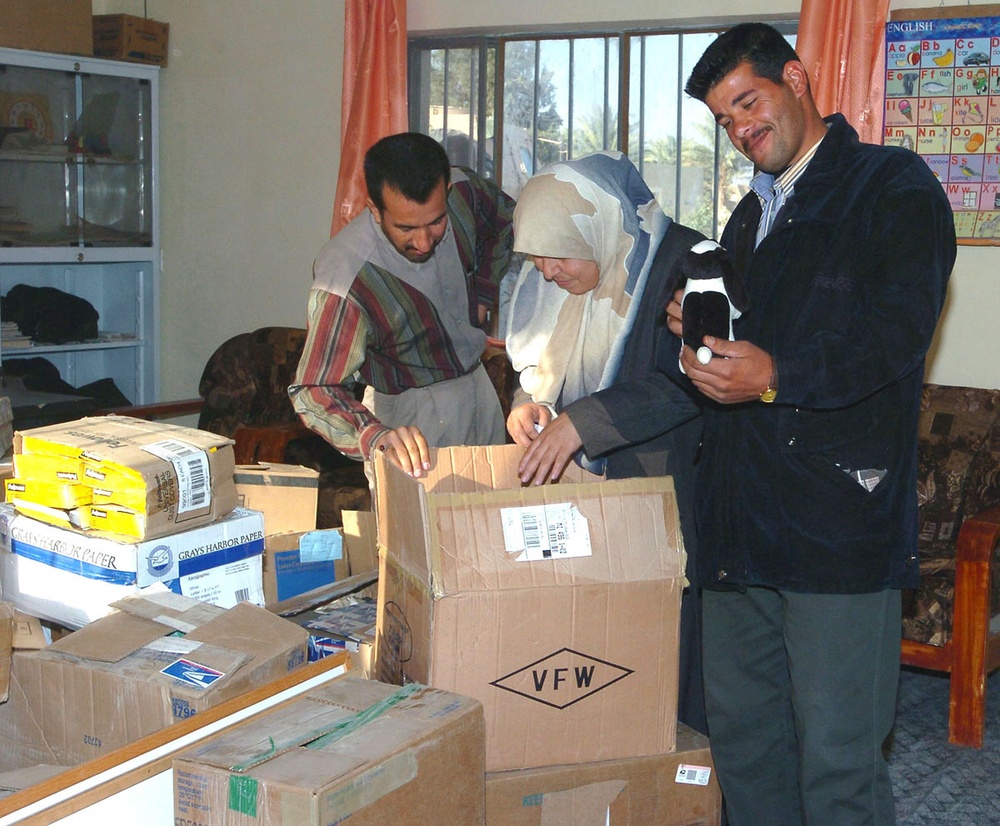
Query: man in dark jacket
x,y
806,503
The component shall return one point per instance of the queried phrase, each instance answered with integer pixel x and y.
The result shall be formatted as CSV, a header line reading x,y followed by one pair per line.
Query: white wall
x,y
249,154
250,126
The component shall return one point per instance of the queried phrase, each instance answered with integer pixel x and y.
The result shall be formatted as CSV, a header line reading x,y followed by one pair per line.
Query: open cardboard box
x,y
557,606
158,659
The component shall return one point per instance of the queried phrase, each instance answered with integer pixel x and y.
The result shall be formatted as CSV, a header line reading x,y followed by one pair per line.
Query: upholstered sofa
x,y
952,621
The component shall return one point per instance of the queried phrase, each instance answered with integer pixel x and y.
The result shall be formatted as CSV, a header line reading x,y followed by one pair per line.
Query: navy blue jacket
x,y
845,293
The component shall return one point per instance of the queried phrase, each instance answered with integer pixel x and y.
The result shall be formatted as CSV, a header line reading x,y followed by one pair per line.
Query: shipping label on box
x,y
576,640
353,749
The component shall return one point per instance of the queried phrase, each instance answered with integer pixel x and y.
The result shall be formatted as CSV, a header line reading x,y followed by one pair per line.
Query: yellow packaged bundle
x,y
166,477
75,518
48,468
50,494
113,519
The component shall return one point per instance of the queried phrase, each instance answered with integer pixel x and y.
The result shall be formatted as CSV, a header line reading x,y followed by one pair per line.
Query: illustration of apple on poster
x,y
942,100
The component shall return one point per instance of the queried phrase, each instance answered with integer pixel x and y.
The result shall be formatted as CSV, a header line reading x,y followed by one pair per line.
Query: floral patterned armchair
x,y
952,621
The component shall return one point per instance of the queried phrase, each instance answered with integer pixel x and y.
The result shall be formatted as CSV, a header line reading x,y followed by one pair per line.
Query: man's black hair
x,y
410,162
760,45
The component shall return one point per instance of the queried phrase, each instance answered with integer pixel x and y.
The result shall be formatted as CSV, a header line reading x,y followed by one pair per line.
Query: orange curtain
x,y
842,44
374,96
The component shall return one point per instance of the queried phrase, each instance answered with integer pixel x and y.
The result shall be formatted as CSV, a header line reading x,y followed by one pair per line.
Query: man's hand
x,y
673,310
738,372
522,420
406,448
550,452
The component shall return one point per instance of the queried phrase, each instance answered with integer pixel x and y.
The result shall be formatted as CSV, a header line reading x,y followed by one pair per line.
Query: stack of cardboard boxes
x,y
128,530
557,607
105,507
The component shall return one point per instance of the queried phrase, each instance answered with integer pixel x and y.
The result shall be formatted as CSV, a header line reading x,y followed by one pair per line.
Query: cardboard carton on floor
x,y
555,606
72,578
675,789
149,479
158,659
285,494
374,753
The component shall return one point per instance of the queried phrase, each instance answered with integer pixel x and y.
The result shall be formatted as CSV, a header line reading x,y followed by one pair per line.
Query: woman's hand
x,y
522,421
406,448
550,452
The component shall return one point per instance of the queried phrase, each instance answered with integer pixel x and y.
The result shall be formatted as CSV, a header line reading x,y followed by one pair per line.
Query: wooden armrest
x,y
978,537
156,410
266,443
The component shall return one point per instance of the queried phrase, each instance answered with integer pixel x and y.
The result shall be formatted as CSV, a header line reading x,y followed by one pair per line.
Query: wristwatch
x,y
770,392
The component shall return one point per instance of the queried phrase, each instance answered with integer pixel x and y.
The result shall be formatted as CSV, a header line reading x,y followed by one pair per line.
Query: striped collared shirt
x,y
773,191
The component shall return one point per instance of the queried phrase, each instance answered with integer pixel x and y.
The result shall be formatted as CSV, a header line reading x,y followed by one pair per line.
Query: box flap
x,y
111,638
180,613
276,475
447,529
250,629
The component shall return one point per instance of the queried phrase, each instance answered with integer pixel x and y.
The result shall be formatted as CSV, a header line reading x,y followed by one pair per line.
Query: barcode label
x,y
693,775
242,594
538,532
194,490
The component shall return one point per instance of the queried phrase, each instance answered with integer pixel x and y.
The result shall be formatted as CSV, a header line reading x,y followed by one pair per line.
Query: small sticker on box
x,y
693,775
192,673
538,532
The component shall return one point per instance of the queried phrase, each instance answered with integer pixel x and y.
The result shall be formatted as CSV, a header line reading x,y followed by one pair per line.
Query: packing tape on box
x,y
318,738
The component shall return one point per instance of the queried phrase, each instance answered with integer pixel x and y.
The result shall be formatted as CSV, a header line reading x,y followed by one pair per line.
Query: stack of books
x,y
11,336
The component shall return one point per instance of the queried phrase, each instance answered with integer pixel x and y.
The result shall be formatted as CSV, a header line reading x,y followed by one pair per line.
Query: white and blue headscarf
x,y
594,208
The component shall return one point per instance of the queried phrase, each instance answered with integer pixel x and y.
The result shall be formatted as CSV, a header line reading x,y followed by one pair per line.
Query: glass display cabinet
x,y
78,218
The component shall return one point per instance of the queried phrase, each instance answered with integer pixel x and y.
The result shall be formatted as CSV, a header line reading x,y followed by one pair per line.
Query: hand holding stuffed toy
x,y
714,296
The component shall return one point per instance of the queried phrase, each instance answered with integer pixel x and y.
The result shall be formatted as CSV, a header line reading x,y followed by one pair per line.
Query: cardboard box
x,y
676,789
72,578
574,657
126,37
374,753
361,539
156,660
285,494
47,25
295,563
16,780
150,479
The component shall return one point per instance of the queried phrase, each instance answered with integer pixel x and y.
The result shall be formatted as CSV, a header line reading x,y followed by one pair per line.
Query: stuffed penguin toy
x,y
713,296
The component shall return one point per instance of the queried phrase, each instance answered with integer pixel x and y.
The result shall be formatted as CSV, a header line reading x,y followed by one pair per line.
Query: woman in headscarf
x,y
585,314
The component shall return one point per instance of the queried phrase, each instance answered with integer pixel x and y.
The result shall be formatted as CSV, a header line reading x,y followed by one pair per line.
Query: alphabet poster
x,y
942,100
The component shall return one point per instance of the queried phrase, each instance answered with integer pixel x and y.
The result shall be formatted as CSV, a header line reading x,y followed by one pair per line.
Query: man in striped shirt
x,y
398,301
